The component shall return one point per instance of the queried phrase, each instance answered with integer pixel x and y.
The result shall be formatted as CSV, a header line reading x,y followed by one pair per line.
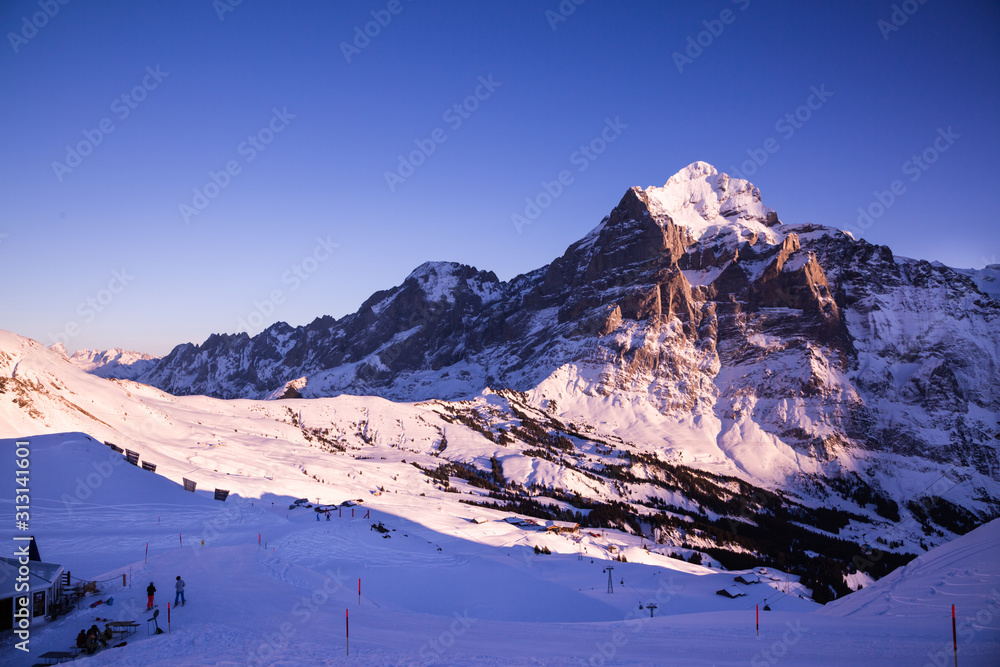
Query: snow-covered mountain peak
x,y
441,280
987,279
693,171
59,348
114,362
438,280
708,203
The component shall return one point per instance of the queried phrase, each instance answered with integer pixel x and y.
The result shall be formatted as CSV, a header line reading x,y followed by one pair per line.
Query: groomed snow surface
x,y
444,590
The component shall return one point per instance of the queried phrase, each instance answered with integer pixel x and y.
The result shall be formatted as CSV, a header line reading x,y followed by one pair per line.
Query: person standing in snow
x,y
150,590
179,586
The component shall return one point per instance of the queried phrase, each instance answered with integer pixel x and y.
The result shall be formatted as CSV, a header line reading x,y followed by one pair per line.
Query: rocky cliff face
x,y
692,300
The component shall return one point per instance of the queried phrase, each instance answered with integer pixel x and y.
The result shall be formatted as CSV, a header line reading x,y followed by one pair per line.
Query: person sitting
x,y
91,643
81,639
107,634
98,635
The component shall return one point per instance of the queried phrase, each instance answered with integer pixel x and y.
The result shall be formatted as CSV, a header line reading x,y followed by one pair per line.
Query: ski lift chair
x,y
155,623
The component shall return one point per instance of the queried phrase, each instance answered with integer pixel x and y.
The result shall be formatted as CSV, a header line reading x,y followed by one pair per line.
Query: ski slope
x,y
441,589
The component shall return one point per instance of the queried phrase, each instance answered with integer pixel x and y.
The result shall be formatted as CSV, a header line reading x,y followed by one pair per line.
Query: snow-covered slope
x,y
623,465
269,585
987,279
964,572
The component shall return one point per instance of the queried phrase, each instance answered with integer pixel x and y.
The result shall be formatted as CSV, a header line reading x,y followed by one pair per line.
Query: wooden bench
x,y
123,628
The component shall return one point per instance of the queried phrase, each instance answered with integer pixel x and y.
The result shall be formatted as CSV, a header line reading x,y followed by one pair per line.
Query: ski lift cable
x,y
779,596
632,590
899,525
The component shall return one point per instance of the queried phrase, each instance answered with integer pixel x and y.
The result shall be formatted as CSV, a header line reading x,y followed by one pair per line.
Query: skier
x,y
150,590
180,591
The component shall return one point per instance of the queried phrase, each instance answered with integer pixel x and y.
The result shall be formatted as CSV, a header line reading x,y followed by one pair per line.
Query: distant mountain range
x,y
113,363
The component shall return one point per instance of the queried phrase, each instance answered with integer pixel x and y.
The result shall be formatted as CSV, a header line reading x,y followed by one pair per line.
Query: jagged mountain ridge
x,y
788,346
446,313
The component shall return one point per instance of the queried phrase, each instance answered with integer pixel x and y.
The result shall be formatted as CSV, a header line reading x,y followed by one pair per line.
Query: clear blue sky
x,y
323,174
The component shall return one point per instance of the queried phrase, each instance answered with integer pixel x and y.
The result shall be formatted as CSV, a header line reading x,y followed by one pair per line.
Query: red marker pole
x,y
168,618
954,634
146,557
757,607
181,538
359,590
347,629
